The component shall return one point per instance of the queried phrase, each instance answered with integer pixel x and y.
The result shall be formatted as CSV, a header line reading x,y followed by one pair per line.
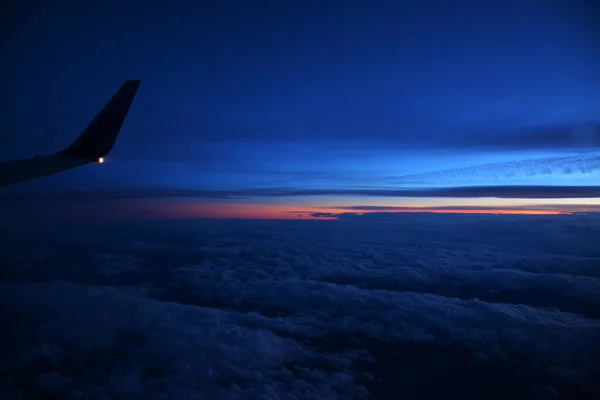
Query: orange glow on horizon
x,y
165,209
249,211
189,209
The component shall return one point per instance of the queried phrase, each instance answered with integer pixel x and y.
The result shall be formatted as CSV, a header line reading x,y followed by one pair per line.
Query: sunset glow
x,y
408,110
190,209
283,211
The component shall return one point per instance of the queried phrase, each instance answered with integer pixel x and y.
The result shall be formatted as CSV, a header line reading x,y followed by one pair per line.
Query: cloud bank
x,y
505,192
528,207
440,305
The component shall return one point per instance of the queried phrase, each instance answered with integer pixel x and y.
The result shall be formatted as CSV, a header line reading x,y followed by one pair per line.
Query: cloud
x,y
585,164
567,207
464,305
141,347
582,136
373,130
515,191
402,217
566,136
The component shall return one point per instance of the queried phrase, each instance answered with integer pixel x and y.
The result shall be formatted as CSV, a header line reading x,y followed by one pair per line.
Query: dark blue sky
x,y
310,95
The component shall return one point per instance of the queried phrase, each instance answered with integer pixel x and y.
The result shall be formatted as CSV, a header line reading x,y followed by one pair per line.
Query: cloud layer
x,y
463,306
506,192
524,208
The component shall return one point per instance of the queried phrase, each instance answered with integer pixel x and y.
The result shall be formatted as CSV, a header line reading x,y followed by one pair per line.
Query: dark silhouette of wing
x,y
92,145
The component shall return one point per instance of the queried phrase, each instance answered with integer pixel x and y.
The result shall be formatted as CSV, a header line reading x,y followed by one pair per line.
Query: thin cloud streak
x,y
382,216
455,192
584,163
529,207
560,136
504,192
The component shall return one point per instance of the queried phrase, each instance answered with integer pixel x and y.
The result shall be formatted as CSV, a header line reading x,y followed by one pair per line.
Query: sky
x,y
307,109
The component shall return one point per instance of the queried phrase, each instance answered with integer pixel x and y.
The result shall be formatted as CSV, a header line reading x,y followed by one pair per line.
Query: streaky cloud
x,y
582,135
528,207
582,163
568,135
505,192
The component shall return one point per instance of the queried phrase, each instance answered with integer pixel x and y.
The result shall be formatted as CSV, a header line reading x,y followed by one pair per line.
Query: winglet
x,y
98,138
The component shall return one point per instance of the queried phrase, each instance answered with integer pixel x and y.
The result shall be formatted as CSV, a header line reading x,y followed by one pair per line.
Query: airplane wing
x,y
91,146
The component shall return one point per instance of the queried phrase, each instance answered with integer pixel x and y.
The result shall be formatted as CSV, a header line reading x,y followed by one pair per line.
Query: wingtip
x,y
99,136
